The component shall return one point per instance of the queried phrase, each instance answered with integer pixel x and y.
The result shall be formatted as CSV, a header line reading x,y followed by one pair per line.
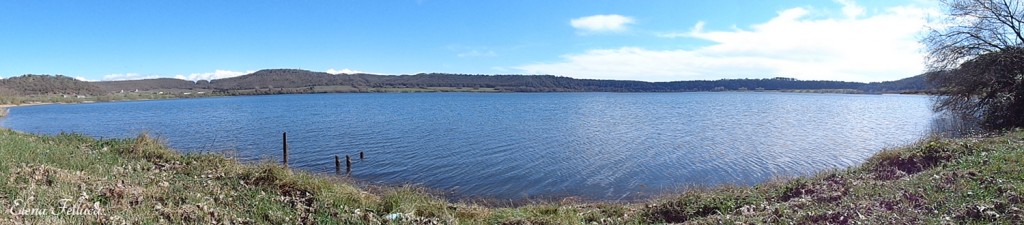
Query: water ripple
x,y
596,145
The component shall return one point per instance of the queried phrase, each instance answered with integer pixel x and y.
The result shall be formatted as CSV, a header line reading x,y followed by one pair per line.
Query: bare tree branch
x,y
977,61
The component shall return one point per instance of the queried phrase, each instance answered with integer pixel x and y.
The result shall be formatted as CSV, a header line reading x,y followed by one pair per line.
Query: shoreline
x,y
156,184
29,104
5,108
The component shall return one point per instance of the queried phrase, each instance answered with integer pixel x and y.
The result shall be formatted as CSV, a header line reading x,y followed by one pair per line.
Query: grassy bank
x,y
138,180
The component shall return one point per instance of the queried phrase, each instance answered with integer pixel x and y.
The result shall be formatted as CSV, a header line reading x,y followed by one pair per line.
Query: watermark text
x,y
63,207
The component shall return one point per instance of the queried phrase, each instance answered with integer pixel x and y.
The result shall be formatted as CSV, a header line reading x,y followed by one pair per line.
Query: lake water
x,y
603,146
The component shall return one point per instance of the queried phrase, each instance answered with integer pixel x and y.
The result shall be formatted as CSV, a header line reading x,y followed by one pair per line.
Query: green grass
x,y
974,181
140,181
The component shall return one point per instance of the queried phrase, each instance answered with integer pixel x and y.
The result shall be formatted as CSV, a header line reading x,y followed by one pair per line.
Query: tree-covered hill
x,y
303,81
147,84
294,78
917,83
47,84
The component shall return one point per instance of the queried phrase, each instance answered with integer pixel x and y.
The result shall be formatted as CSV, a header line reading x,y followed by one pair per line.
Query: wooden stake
x,y
284,147
337,164
348,164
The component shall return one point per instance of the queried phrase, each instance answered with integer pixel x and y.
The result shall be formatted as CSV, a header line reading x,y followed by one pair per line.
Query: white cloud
x,y
601,23
216,74
83,79
697,28
127,76
850,9
859,47
344,71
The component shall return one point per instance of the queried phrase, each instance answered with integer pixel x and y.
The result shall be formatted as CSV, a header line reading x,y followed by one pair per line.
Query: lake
x,y
601,146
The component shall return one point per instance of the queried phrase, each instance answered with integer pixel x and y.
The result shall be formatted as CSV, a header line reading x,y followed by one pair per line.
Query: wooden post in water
x,y
337,164
348,164
361,157
284,147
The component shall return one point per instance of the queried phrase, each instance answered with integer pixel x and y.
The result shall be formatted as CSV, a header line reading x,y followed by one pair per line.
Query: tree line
x,y
286,81
278,79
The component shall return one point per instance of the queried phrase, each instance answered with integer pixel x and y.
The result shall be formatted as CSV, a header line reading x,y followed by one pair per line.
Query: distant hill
x,y
147,84
302,81
279,79
915,84
282,78
47,84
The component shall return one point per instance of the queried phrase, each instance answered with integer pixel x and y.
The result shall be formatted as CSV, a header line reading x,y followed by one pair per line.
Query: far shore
x,y
27,104
93,100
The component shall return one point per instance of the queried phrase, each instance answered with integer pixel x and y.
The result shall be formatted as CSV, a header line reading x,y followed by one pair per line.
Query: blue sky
x,y
628,40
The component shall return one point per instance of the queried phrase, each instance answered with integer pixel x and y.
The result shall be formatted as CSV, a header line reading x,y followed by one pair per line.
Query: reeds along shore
x,y
141,181
3,111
